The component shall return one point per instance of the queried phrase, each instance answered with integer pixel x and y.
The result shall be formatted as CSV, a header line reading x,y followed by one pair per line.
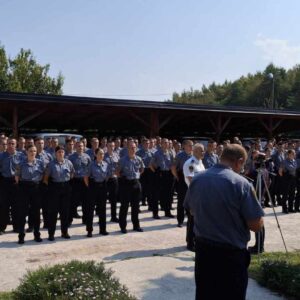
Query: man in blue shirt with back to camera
x,y
225,209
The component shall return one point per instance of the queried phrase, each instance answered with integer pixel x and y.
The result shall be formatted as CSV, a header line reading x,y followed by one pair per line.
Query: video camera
x,y
260,161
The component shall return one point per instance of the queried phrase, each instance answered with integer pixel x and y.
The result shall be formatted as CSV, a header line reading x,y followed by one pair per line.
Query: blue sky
x,y
147,49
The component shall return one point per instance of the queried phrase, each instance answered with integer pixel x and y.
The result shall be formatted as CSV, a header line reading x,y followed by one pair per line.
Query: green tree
x,y
23,74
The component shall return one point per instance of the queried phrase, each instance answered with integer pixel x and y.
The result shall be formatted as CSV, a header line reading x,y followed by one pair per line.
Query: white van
x,y
60,136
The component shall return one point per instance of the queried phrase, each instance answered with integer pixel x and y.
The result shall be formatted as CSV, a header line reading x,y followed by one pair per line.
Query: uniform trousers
x,y
181,191
221,272
166,181
297,200
79,193
289,189
147,187
112,193
190,235
29,203
96,197
59,202
8,191
130,193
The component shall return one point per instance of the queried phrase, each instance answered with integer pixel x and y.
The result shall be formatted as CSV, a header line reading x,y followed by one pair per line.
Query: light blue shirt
x,y
130,168
98,171
60,171
81,164
31,171
9,162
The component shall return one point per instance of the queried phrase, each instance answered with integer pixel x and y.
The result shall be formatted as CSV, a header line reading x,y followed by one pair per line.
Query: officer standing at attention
x,y
54,144
118,146
95,180
60,171
210,158
95,145
161,164
112,159
69,147
288,171
8,162
147,177
191,168
225,208
81,162
177,171
29,175
130,169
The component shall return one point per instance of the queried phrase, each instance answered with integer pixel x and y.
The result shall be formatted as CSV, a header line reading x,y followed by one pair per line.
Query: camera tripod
x,y
259,192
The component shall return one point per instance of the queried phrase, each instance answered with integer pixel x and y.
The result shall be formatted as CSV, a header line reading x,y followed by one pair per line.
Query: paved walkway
x,y
153,264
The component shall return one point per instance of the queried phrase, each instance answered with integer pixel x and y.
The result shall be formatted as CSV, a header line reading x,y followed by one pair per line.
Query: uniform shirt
x,y
98,171
289,166
90,153
117,151
222,202
60,171
192,167
9,162
45,157
130,167
81,164
146,156
162,160
31,171
68,154
278,158
210,160
180,159
112,161
51,151
123,152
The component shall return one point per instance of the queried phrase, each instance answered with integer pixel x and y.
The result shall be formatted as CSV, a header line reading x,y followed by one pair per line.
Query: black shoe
x,y
124,231
76,216
15,230
144,204
65,236
51,238
103,232
157,217
115,220
29,229
169,215
89,234
291,210
138,229
285,211
150,208
179,225
21,241
38,239
139,211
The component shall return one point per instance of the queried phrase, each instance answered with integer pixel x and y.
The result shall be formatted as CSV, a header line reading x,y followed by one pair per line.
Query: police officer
x,y
161,164
191,168
210,158
130,169
54,144
118,147
69,147
8,162
147,177
28,176
288,171
96,182
224,207
177,171
81,162
112,159
95,145
58,174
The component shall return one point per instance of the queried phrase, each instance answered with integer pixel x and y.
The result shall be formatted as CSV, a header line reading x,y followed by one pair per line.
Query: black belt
x,y
78,179
9,179
131,180
112,178
97,182
218,245
65,183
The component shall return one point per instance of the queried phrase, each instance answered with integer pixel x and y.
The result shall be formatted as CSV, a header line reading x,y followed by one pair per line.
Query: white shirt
x,y
192,167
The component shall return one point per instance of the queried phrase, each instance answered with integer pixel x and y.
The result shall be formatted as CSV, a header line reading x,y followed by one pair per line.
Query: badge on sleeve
x,y
191,168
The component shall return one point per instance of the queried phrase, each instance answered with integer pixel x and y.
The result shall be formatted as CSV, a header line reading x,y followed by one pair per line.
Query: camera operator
x,y
288,171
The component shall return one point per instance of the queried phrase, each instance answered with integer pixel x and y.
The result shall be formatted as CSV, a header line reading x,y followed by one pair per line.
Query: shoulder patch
x,y
191,168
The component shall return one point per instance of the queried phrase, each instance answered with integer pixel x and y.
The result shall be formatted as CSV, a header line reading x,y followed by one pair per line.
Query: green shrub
x,y
73,280
279,272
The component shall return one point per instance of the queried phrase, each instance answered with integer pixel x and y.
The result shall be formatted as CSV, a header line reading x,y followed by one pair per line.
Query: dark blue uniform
x,y
130,190
30,175
112,183
164,180
81,165
98,173
147,178
60,174
8,189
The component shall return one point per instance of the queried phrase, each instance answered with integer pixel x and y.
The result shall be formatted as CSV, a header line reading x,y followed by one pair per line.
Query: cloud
x,y
278,51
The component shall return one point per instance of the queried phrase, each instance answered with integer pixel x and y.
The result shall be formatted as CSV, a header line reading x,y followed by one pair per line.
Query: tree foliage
x,y
23,74
254,90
